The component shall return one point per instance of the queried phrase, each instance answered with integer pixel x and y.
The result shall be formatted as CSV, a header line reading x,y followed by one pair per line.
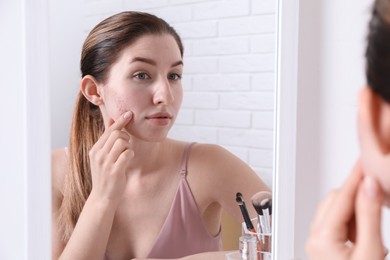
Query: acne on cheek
x,y
121,106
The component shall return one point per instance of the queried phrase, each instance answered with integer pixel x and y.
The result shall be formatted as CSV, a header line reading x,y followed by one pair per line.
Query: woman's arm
x,y
225,175
91,233
90,236
110,158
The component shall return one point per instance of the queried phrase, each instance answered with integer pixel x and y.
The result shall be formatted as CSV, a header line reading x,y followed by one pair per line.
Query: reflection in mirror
x,y
228,80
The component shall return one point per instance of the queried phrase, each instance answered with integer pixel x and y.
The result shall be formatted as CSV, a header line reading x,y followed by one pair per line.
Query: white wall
x,y
65,39
24,111
229,69
330,74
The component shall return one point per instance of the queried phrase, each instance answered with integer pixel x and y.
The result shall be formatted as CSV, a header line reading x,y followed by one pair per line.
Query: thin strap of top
x,y
184,164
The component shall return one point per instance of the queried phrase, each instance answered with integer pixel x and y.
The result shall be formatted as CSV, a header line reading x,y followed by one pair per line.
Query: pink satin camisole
x,y
183,232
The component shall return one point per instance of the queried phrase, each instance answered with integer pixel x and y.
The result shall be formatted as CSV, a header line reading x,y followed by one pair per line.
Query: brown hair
x,y
101,49
378,49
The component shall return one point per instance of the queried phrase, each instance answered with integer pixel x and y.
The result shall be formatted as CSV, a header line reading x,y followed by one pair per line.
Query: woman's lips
x,y
160,119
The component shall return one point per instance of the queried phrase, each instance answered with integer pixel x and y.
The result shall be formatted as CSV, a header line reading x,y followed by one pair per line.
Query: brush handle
x,y
247,219
267,222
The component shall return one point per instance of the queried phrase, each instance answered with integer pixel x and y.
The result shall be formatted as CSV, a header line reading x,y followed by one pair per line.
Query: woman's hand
x,y
110,157
351,213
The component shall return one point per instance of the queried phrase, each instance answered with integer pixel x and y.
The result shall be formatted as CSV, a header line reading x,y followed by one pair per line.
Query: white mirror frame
x,y
26,183
38,170
285,129
38,163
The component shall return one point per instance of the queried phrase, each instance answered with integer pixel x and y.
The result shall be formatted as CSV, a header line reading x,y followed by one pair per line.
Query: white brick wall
x,y
229,70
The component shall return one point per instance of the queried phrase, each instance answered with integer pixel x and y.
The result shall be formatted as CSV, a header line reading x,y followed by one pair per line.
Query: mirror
x,y
229,70
229,73
29,24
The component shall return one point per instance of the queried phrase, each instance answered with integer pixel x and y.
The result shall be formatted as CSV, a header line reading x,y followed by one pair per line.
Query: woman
x,y
353,212
124,190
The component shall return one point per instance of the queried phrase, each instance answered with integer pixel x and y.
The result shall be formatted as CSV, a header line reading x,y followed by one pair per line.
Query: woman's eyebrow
x,y
142,59
178,63
152,62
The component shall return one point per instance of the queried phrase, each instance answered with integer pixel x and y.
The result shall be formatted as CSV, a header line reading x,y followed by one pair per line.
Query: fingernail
x,y
127,115
370,186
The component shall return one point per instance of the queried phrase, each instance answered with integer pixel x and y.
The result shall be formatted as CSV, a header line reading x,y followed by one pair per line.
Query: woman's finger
x,y
330,226
323,210
124,157
343,207
119,124
119,146
336,211
368,219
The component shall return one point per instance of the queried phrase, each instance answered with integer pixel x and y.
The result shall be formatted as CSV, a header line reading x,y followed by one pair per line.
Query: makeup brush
x,y
266,205
239,194
262,202
249,225
244,211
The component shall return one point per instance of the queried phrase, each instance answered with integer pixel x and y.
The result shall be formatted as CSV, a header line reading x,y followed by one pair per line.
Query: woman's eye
x,y
141,76
174,76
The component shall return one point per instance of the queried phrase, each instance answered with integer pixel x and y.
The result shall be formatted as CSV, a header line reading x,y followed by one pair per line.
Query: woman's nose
x,y
163,93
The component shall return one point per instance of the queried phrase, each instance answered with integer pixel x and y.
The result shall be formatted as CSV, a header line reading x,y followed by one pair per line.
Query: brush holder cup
x,y
233,256
247,249
263,240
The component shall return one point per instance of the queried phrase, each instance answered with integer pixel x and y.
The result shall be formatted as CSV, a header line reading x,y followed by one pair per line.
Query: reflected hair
x,y
378,50
101,49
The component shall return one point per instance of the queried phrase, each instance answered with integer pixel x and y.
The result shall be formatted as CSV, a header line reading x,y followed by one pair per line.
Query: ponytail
x,y
86,129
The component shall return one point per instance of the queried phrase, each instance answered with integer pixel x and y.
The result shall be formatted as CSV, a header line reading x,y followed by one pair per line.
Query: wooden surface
x,y
231,231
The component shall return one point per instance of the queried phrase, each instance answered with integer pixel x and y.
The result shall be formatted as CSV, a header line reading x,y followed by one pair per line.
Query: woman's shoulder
x,y
213,158
211,152
206,157
59,166
216,161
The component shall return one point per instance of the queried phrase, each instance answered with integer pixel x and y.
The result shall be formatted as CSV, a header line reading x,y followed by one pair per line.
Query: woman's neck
x,y
150,156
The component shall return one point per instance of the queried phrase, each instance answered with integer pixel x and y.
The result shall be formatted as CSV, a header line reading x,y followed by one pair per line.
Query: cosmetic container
x,y
263,241
248,247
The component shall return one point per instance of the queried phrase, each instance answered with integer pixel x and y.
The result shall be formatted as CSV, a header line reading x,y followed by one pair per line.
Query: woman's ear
x,y
370,114
90,89
377,117
384,123
374,138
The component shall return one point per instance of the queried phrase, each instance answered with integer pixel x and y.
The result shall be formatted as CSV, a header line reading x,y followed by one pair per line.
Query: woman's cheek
x,y
121,106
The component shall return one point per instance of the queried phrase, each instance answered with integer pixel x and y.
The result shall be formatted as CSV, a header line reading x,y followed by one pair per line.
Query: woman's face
x,y
146,79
